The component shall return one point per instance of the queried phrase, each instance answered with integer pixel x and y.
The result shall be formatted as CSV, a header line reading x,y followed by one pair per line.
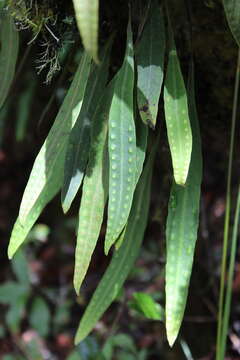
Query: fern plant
x,y
105,138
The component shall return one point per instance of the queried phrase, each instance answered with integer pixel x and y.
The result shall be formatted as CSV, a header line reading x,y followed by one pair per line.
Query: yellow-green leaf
x,y
53,151
177,117
47,173
94,193
86,12
79,140
124,258
122,148
181,231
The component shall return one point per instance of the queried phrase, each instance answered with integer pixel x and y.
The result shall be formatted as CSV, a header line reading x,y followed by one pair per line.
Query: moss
x,y
52,26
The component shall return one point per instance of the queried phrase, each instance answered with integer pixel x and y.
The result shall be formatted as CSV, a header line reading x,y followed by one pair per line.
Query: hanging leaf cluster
x,y
104,141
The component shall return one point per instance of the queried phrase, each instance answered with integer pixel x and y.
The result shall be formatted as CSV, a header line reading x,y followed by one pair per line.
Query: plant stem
x,y
230,278
227,214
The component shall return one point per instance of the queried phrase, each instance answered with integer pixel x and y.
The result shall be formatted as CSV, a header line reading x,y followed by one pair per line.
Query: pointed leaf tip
x,y
172,336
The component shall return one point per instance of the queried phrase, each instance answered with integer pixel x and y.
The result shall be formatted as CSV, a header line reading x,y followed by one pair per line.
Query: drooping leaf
x,y
176,114
150,63
181,231
53,150
79,139
95,191
122,148
9,43
86,13
47,173
232,10
141,146
123,259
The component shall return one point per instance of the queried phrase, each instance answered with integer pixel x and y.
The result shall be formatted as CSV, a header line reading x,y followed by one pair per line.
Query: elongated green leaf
x,y
181,232
142,136
150,63
53,150
9,41
232,10
141,146
86,13
79,139
122,149
47,173
176,114
95,192
123,259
